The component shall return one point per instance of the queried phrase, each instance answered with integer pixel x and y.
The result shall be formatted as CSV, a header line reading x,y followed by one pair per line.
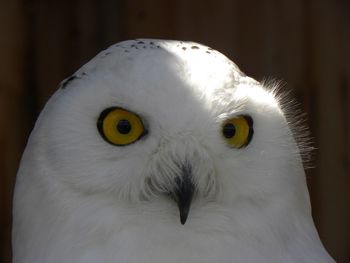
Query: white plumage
x,y
203,141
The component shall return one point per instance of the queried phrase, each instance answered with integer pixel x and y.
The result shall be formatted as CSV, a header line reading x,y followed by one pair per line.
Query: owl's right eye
x,y
120,127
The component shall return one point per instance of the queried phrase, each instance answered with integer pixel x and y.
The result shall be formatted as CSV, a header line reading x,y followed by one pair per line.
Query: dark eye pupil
x,y
229,130
124,126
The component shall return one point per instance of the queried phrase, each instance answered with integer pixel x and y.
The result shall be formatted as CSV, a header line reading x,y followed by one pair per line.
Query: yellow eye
x,y
120,127
238,131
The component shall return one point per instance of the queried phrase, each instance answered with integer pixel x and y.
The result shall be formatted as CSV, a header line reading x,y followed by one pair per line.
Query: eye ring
x,y
238,131
120,127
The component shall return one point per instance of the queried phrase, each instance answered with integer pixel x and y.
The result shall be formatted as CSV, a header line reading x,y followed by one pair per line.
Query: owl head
x,y
151,120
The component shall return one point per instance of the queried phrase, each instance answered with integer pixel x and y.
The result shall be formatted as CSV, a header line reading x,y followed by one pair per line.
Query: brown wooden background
x,y
306,43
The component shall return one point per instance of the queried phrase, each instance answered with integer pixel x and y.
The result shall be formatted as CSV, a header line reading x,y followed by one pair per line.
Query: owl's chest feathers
x,y
109,232
89,230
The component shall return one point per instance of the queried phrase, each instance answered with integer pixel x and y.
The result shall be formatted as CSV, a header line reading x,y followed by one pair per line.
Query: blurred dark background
x,y
305,43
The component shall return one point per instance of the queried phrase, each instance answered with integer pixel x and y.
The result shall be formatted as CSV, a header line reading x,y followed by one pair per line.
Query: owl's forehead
x,y
165,68
165,62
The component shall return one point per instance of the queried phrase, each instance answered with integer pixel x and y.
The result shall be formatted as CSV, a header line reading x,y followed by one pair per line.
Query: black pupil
x,y
229,130
124,126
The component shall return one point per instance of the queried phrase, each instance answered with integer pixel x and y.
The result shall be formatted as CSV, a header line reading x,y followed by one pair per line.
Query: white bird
x,y
160,152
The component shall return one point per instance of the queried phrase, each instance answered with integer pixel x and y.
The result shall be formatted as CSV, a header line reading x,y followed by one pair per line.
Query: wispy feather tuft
x,y
296,119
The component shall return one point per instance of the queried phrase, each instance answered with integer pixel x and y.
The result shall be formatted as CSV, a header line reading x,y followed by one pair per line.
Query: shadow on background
x,y
305,43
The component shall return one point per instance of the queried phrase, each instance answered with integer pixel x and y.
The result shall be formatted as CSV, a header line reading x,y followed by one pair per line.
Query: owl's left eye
x,y
238,131
120,127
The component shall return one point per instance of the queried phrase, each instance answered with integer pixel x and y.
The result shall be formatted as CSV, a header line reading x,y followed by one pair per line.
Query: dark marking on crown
x,y
195,47
140,42
184,48
68,80
106,54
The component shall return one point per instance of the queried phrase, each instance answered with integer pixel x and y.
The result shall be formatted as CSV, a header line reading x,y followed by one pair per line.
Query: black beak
x,y
183,193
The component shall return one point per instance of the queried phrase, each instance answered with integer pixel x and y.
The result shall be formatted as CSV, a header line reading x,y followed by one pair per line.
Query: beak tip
x,y
183,219
184,211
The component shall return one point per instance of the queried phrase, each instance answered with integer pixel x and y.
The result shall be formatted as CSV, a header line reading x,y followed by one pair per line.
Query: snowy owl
x,y
163,152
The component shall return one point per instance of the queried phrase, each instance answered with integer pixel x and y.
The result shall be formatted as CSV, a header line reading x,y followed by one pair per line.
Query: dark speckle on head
x,y
184,48
151,43
207,52
158,46
126,51
195,47
140,42
67,81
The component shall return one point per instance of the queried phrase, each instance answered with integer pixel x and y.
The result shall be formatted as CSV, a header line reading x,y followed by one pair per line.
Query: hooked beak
x,y
183,192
